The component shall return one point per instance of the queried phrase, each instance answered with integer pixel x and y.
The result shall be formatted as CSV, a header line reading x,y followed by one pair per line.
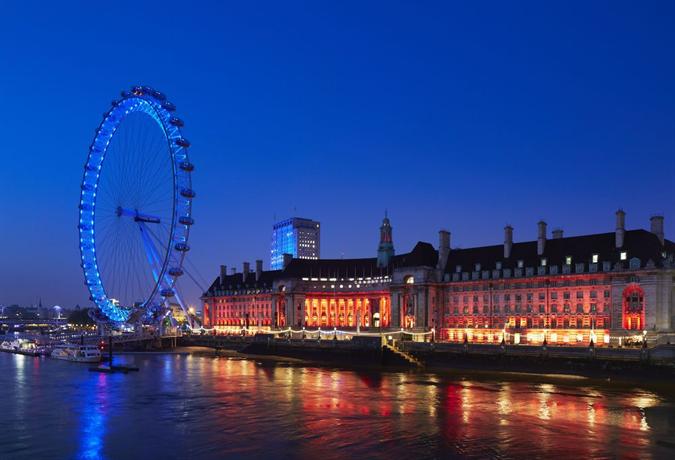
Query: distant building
x,y
301,238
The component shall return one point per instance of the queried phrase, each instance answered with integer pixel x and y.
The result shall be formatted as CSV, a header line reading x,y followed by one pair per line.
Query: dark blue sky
x,y
466,117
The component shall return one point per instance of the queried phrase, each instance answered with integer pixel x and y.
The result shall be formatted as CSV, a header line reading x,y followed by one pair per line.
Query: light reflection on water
x,y
195,406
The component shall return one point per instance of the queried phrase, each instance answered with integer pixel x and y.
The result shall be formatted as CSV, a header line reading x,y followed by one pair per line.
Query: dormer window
x,y
520,264
498,266
623,255
568,260
544,262
595,258
458,269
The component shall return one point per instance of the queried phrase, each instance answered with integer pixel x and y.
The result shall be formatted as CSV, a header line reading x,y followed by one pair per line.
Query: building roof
x,y
637,243
423,254
237,281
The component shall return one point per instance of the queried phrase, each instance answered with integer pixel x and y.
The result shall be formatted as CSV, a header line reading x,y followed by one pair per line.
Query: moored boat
x,y
77,353
22,347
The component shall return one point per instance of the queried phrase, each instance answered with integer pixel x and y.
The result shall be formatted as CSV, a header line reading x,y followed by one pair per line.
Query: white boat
x,y
22,347
77,353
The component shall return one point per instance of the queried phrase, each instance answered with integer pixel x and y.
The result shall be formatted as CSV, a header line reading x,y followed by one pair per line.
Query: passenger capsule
x,y
137,90
168,106
167,293
158,95
187,166
175,121
183,142
125,94
186,220
176,271
187,193
182,247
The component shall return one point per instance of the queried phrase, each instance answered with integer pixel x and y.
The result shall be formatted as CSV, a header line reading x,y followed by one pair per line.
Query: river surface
x,y
197,406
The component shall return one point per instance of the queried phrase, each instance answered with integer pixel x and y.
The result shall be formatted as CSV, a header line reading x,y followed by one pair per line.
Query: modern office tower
x,y
296,236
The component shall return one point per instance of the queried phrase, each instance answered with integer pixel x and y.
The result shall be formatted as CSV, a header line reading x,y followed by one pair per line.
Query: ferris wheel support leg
x,y
155,263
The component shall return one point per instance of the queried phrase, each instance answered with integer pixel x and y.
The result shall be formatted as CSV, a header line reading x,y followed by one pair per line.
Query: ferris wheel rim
x,y
154,104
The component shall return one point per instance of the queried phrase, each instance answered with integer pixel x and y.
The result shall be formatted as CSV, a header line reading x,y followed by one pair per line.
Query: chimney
x,y
234,270
657,227
258,269
541,237
223,273
557,234
620,228
247,269
443,248
287,259
508,241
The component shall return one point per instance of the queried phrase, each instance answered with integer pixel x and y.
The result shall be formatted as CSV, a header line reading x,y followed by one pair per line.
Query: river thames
x,y
199,406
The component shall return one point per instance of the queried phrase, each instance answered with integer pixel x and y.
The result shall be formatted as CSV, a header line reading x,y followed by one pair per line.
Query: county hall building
x,y
612,287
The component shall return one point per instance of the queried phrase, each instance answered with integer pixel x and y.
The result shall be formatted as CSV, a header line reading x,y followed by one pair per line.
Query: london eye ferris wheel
x,y
136,209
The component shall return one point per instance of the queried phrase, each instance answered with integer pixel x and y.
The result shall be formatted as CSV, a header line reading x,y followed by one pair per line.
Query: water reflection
x,y
93,419
209,407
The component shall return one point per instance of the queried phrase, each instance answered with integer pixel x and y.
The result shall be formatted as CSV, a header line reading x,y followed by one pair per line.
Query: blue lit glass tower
x,y
296,236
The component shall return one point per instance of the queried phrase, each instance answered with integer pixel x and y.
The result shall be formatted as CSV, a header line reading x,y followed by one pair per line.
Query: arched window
x,y
633,307
409,279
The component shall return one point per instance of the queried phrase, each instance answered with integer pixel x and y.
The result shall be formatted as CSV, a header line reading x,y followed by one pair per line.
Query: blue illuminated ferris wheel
x,y
136,209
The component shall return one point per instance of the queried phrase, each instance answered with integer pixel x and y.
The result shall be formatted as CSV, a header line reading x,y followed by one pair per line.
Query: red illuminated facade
x,y
603,288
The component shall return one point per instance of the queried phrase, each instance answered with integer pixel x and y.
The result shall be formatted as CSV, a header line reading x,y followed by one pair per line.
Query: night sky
x,y
465,117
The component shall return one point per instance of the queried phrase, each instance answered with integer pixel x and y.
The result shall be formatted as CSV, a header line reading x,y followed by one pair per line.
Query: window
x,y
623,255
566,295
543,262
520,264
580,294
606,294
458,269
477,267
594,307
594,294
529,296
595,258
498,266
568,260
542,308
496,308
554,308
554,295
542,296
580,308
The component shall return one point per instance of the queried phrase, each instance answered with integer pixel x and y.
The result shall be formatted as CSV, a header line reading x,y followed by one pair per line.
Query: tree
x,y
80,317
